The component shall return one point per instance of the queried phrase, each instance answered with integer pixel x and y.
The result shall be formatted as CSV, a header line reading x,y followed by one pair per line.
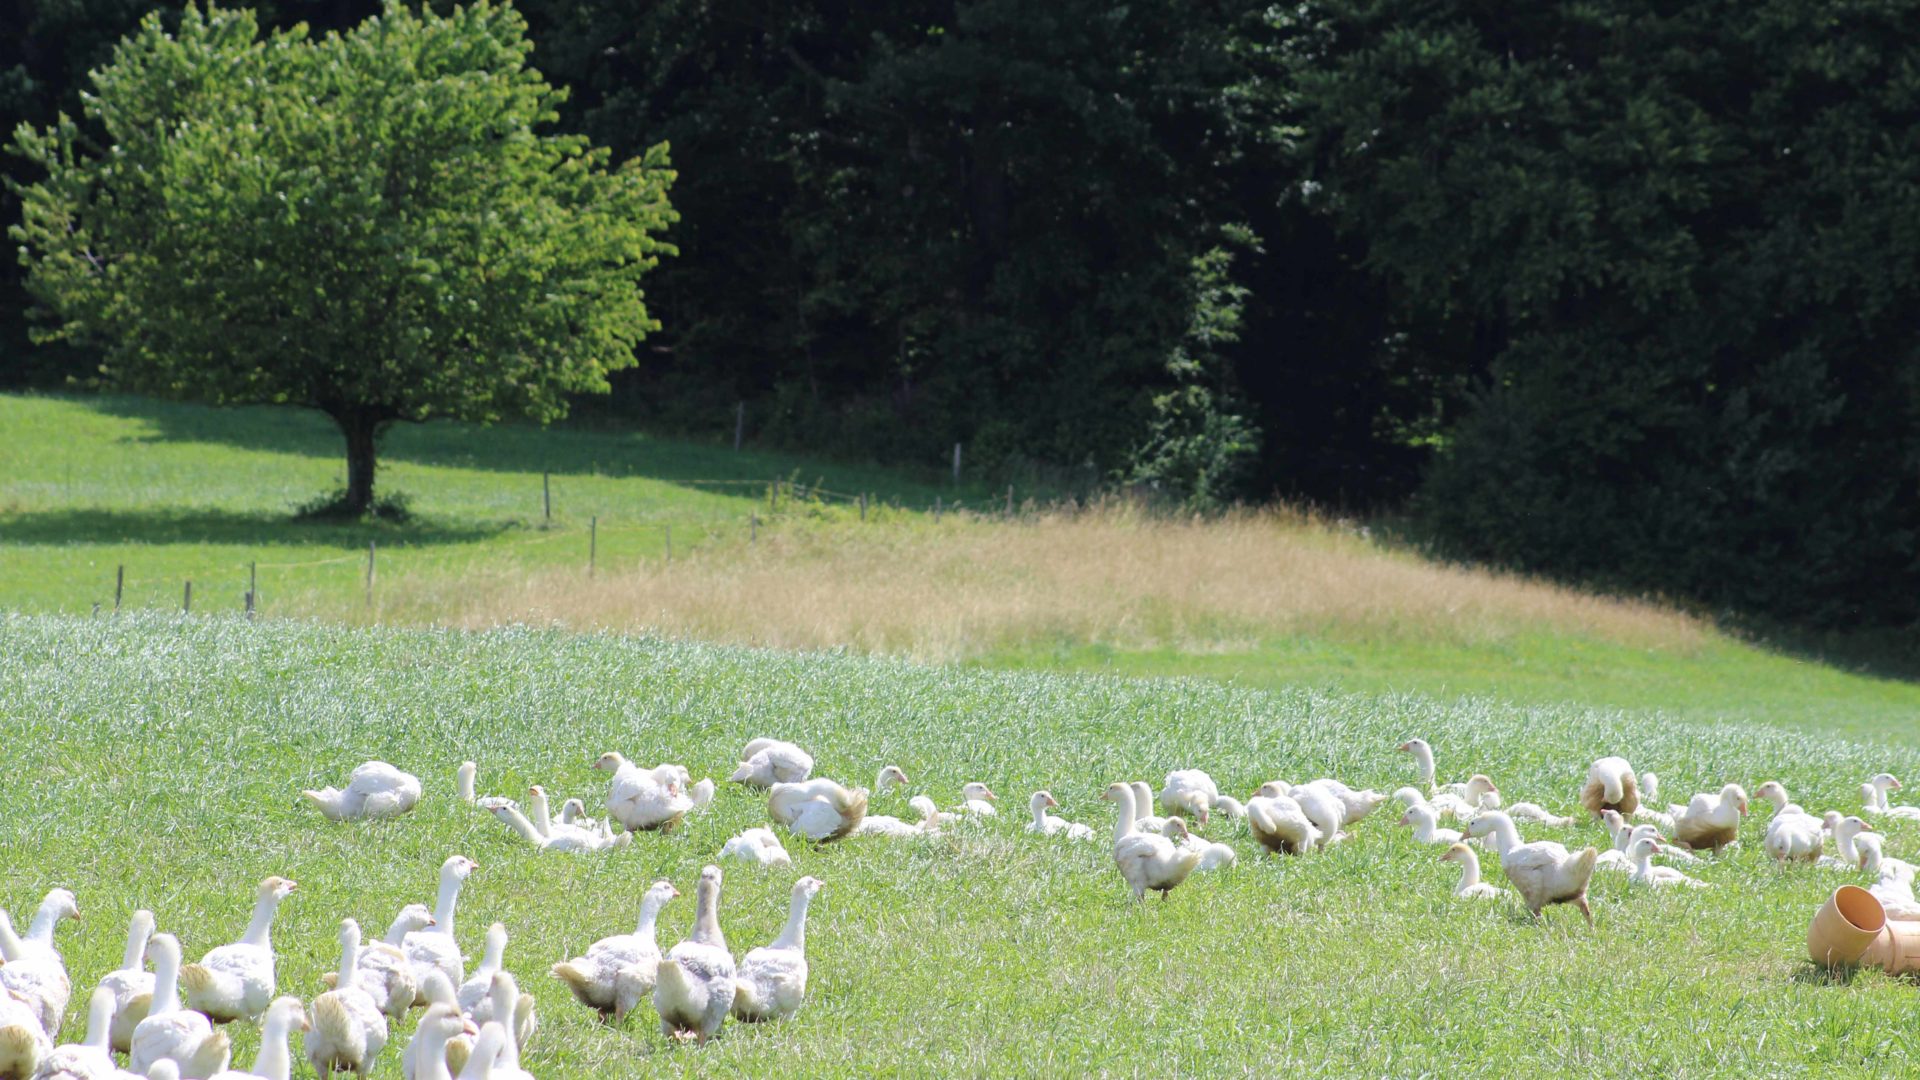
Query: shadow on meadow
x,y
265,530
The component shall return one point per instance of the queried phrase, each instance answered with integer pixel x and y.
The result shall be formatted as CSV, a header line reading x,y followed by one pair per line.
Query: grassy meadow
x,y
161,756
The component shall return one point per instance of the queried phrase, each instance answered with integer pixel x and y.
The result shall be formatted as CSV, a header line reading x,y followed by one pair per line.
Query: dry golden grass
x,y
1110,576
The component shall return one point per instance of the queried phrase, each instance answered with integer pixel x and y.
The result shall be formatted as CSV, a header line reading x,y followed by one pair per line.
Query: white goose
x,y
275,1059
766,762
1048,825
1884,782
1846,830
1146,861
567,839
479,986
1711,820
595,977
90,1059
1318,804
977,800
179,1035
1278,822
237,980
695,986
508,1001
930,815
1615,858
438,996
438,1028
1231,808
1470,886
888,778
1894,889
1191,792
890,826
643,799
1542,872
463,780
819,810
131,982
374,790
772,981
1354,805
1645,873
34,970
434,948
484,1062
1423,759
1611,785
762,848
349,1030
1424,823
1213,855
1773,791
23,1042
385,973
1143,817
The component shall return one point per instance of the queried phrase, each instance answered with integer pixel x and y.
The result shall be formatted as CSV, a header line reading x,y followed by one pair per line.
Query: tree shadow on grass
x,y
223,527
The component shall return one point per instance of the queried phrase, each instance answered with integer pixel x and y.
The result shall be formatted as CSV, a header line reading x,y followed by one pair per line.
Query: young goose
x,y
440,1026
888,825
1883,783
1230,808
1048,825
1424,823
1645,873
1775,792
1542,872
762,848
1470,884
1539,815
888,778
977,800
479,986
349,1030
34,970
385,973
1277,821
1615,858
131,984
1846,830
179,1035
463,780
434,948
772,980
563,838
1793,835
508,1002
1191,792
436,993
766,762
595,977
644,799
1611,785
1213,855
484,1062
1354,805
695,986
374,790
1711,820
819,810
1423,760
237,980
1321,808
1143,818
931,816
275,1059
23,1042
91,1059
1147,861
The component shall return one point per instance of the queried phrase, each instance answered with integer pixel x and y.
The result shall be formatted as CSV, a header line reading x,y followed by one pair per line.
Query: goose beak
x,y
1406,747
1407,818
1895,785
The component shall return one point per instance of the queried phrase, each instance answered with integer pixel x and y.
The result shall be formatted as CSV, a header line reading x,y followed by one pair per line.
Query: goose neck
x,y
1123,827
1469,870
138,931
10,944
40,930
794,934
649,917
260,927
706,922
542,816
166,982
275,1061
349,962
450,893
1423,757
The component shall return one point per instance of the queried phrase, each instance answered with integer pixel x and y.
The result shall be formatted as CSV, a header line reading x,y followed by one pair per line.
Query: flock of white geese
x,y
474,1024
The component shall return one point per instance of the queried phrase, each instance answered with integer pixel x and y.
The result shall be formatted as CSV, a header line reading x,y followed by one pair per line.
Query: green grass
x,y
153,761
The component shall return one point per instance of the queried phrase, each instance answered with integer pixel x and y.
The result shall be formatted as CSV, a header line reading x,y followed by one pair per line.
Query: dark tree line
x,y
1615,289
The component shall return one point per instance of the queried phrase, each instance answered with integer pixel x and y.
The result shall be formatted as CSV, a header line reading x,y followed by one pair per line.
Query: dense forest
x,y
1620,290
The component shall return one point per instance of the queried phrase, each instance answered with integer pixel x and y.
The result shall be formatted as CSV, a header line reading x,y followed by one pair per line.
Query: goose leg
x,y
1581,903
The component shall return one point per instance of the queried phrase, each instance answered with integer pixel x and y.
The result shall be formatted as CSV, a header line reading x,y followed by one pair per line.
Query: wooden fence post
x,y
253,587
863,506
186,599
593,542
936,508
739,424
753,527
546,494
669,543
1009,500
119,583
370,544
956,464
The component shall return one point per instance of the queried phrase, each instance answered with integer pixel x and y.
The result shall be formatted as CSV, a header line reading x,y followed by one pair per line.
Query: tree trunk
x,y
362,429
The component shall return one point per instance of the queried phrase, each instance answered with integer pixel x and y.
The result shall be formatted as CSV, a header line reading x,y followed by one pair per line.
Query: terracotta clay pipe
x,y
1851,929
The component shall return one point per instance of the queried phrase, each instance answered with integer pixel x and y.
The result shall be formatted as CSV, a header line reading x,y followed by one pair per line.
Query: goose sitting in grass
x,y
1048,825
1845,829
1276,820
1147,861
1144,819
1354,805
772,980
819,810
1793,835
1191,792
762,848
573,822
1470,886
237,980
171,1032
34,971
766,762
1894,890
274,1061
888,779
463,780
349,1030
1623,834
1774,792
1712,819
1424,823
374,790
566,839
1611,785
1231,808
1318,804
890,826
89,1059
1532,812
385,974
1542,872
131,982
594,977
977,799
434,948
1883,783
931,816
695,987
1875,861
1213,855
438,1028
644,799
1645,873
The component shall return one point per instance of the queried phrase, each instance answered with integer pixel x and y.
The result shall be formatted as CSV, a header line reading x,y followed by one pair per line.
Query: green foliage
x,y
369,223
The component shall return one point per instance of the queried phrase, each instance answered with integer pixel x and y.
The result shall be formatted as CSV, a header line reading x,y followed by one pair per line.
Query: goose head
x,y
1414,746
1458,853
1642,849
890,776
1736,795
1273,788
1489,822
413,917
62,904
611,761
457,868
291,1011
276,889
1612,820
922,805
808,887
1773,791
443,1020
1041,800
1885,782
660,892
1117,791
1417,816
1230,808
977,790
1852,826
1175,828
1480,785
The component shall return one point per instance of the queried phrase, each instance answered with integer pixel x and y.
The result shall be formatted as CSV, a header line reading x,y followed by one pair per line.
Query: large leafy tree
x,y
371,223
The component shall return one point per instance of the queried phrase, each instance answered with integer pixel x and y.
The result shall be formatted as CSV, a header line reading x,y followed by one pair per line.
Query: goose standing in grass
x,y
90,1059
1143,817
1793,835
766,762
1645,873
772,980
696,986
762,848
434,948
438,996
385,973
349,1030
508,1001
237,980
34,971
285,1016
374,790
819,810
483,1063
479,985
1191,792
1470,885
1424,823
169,1031
439,1027
1048,825
1846,830
594,978
131,984
1277,821
1542,872
1146,861
644,799
566,839
977,799
1711,820
1611,785
1213,855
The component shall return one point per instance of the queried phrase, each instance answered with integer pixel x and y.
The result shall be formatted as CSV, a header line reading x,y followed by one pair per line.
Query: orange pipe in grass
x,y
1852,929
